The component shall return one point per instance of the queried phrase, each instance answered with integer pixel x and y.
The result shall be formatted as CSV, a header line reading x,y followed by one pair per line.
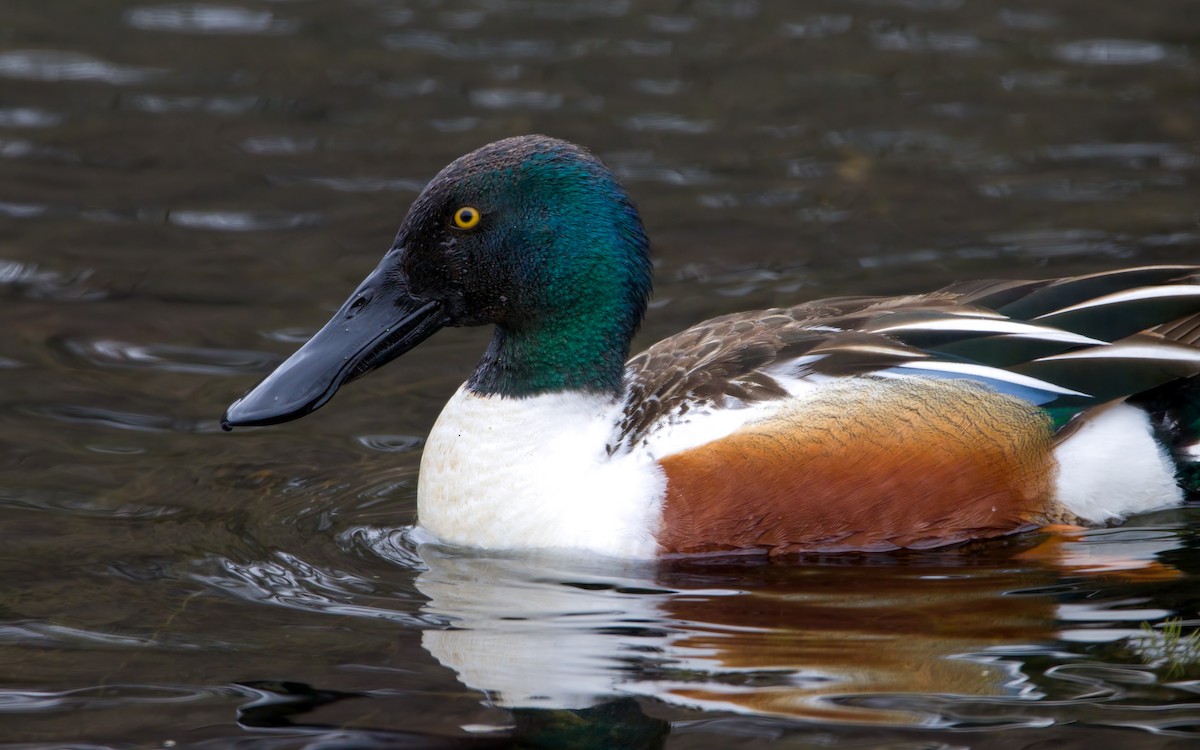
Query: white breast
x,y
527,473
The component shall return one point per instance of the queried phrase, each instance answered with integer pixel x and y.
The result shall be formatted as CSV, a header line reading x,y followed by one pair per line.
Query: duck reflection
x,y
830,641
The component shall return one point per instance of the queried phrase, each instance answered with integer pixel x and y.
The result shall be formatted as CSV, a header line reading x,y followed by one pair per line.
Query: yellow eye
x,y
466,217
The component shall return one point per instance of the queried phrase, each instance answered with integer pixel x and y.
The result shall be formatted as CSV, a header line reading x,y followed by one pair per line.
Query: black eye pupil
x,y
466,217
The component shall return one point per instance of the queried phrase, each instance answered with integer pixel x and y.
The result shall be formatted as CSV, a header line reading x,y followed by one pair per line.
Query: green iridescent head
x,y
552,252
532,235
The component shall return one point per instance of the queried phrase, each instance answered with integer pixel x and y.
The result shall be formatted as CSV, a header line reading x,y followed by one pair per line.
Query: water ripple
x,y
944,713
290,335
456,125
350,184
28,117
908,39
1061,243
640,166
671,24
1173,239
667,175
817,27
1100,680
575,10
35,283
275,145
200,18
397,546
655,122
1053,81
101,696
409,88
397,16
123,420
924,5
920,145
213,105
22,211
60,65
1186,726
1027,20
733,200
441,45
637,48
290,582
1115,52
1046,243
462,19
515,98
808,168
894,142
63,634
900,259
124,215
1135,155
49,634
170,358
1065,190
243,221
659,87
390,443
65,503
21,149
732,9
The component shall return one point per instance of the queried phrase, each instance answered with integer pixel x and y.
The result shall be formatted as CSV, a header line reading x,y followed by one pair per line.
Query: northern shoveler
x,y
853,423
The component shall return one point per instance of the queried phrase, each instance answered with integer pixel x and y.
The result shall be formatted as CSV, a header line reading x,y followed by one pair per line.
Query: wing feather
x,y
1068,344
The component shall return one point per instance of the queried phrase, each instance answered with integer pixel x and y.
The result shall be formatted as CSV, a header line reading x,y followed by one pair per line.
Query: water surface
x,y
187,190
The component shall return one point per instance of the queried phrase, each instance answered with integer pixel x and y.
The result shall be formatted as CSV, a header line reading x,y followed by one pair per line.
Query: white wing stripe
x,y
873,349
1131,295
991,373
1012,327
1149,352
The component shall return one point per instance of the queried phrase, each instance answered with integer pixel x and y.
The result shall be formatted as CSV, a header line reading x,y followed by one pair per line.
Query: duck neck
x,y
571,353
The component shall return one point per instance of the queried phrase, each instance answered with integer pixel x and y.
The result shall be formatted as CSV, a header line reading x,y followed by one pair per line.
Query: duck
x,y
979,410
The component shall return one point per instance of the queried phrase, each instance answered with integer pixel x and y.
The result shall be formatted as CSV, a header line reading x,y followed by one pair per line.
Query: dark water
x,y
187,191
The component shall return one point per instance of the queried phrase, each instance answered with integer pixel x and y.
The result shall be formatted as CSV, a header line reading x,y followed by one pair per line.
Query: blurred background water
x,y
188,190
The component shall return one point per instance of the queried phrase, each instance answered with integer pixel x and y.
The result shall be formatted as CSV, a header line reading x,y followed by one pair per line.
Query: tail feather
x,y
1075,290
1174,410
1186,330
1120,314
1130,366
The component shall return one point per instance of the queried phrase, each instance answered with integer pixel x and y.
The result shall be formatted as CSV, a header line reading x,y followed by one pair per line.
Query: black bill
x,y
379,322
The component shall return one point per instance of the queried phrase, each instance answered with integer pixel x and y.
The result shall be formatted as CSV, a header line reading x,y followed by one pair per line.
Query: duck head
x,y
532,235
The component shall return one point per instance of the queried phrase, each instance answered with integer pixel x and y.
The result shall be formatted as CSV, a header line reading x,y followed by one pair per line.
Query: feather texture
x,y
1068,344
